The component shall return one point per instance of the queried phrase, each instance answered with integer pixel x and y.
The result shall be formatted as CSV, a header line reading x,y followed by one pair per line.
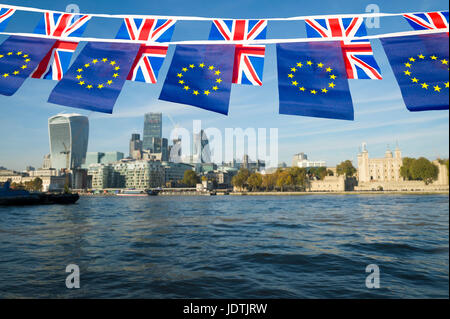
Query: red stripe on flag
x,y
62,25
255,28
335,27
239,30
146,28
437,19
221,30
130,29
312,24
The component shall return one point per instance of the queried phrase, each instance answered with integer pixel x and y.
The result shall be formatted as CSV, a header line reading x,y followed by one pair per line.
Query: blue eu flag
x,y
95,79
200,75
19,57
312,80
421,64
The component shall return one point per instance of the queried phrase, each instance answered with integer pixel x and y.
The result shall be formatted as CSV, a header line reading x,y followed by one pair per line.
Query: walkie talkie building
x,y
68,134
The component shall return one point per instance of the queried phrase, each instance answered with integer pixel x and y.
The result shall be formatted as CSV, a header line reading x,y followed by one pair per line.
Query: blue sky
x,y
381,118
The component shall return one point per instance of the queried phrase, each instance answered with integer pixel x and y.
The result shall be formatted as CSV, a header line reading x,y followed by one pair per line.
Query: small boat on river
x,y
19,197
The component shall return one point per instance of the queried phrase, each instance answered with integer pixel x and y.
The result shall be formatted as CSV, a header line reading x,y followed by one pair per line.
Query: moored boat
x,y
13,197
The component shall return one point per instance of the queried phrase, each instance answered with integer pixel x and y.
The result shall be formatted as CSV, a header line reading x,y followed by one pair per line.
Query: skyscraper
x,y
152,129
135,145
68,134
201,152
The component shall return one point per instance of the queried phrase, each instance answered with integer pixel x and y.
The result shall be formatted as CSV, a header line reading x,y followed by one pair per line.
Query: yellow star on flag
x,y
219,80
180,75
16,72
80,70
186,88
407,72
184,69
444,61
324,90
195,92
19,53
110,82
309,62
302,89
95,61
425,86
437,88
329,69
5,75
433,57
447,85
290,75
112,62
104,60
86,65
408,65
89,86
117,68
115,75
293,69
294,83
320,65
206,92
215,88
24,67
192,66
421,56
412,59
81,83
313,92
211,67
217,72
415,80
181,82
100,86
333,77
331,85
79,77
299,64
202,65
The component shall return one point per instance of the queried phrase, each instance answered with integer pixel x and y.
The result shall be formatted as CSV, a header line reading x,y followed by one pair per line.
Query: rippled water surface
x,y
228,247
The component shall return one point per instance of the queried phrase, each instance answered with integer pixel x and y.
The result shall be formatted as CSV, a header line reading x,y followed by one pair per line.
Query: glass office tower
x,y
152,129
68,134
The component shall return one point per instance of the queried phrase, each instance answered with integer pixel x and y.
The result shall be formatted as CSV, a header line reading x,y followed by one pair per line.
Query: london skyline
x,y
380,114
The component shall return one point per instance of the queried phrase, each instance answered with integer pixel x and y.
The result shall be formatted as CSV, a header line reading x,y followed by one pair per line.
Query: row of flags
x,y
312,76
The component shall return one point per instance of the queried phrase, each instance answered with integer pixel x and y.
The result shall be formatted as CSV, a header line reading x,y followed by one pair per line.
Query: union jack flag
x,y
428,20
151,56
57,60
248,59
5,14
358,55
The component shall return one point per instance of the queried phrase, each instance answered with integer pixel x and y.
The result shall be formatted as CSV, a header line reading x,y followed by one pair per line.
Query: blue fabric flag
x,y
312,80
420,64
95,79
19,56
200,75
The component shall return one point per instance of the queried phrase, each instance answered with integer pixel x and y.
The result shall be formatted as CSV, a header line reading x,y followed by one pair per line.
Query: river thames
x,y
313,246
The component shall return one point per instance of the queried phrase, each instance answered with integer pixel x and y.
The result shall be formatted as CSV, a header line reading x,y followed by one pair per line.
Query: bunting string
x,y
193,18
202,42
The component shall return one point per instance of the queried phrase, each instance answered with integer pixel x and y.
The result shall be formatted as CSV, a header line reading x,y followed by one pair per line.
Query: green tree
x,y
269,181
405,170
330,172
190,178
346,168
423,169
240,179
255,181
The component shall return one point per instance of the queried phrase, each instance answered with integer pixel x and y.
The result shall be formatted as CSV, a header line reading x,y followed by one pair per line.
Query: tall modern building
x,y
201,151
68,134
135,145
152,129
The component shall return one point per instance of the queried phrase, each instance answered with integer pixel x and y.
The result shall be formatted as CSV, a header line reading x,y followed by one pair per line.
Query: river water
x,y
314,246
